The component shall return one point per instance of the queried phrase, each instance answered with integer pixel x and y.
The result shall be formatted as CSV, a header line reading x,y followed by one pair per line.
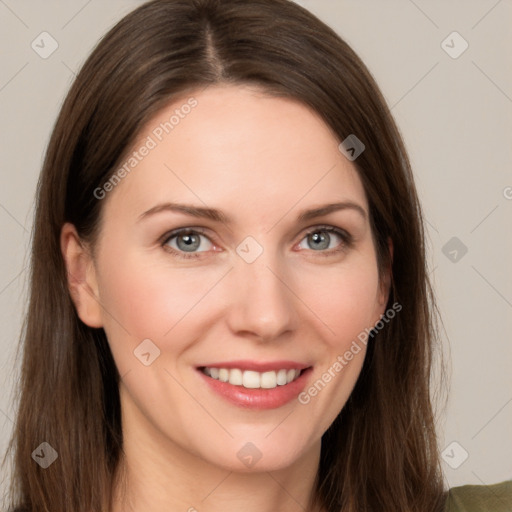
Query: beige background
x,y
456,117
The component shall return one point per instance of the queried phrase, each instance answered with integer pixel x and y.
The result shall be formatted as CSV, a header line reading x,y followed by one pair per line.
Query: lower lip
x,y
258,398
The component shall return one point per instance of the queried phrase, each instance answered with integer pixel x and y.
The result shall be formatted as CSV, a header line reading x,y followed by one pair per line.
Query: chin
x,y
258,455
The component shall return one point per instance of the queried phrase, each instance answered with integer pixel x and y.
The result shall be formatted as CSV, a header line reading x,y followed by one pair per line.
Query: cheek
x,y
147,299
344,299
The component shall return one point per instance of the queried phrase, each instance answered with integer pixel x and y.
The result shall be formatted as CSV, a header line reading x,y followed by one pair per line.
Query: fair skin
x,y
262,161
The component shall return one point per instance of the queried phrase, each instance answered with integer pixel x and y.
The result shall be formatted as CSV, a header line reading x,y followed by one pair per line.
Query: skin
x,y
262,161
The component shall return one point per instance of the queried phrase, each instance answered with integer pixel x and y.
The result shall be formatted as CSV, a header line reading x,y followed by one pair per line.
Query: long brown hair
x,y
381,451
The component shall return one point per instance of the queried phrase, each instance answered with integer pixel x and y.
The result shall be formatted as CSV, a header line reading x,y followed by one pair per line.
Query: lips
x,y
257,385
258,366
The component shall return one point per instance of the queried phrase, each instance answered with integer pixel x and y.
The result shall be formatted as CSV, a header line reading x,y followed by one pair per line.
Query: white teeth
x,y
268,380
281,377
235,377
250,379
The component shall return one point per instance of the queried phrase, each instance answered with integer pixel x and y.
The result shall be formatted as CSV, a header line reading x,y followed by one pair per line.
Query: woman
x,y
228,279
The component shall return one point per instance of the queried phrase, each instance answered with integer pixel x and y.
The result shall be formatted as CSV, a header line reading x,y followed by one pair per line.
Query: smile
x,y
250,379
254,384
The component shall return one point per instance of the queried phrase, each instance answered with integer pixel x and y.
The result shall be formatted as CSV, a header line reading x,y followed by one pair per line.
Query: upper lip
x,y
258,366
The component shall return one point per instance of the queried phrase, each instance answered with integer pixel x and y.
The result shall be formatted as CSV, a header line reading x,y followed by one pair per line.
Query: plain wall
x,y
455,115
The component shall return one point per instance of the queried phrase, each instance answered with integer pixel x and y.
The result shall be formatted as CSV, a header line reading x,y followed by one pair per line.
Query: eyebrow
x,y
219,216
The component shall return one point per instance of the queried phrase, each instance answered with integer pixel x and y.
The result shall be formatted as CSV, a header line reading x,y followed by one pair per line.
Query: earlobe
x,y
384,286
388,276
81,277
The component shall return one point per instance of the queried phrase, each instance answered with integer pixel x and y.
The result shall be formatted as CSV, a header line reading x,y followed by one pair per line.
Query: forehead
x,y
237,147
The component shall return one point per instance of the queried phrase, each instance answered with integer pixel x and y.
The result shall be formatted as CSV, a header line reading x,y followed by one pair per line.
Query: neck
x,y
157,474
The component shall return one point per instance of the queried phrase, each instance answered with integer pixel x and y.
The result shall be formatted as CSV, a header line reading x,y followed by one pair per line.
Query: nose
x,y
261,299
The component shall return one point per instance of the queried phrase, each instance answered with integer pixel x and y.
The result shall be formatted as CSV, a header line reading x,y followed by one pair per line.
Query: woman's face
x,y
256,286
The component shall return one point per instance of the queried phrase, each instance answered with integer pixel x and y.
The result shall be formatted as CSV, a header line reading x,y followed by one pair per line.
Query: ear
x,y
386,280
81,276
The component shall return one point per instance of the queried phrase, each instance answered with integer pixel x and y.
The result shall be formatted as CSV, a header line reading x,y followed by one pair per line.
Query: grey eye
x,y
188,241
319,241
322,239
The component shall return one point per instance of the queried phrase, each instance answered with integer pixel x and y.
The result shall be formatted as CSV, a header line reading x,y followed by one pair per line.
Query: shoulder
x,y
480,498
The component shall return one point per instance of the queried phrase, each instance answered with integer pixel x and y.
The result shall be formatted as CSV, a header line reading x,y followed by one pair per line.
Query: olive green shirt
x,y
469,498
480,498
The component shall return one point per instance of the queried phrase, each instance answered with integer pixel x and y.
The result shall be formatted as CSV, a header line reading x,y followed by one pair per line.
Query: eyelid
x,y
327,227
164,239
342,233
346,237
178,231
184,255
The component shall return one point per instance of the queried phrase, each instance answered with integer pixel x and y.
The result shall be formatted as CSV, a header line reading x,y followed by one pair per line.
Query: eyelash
x,y
347,241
